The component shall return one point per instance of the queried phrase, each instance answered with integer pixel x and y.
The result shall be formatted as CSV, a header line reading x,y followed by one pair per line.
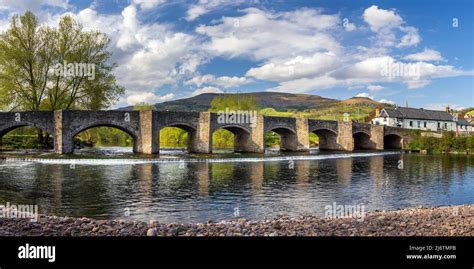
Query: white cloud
x,y
349,27
383,69
206,6
380,18
386,23
224,81
295,68
375,87
129,27
262,35
32,5
206,90
148,4
195,11
148,55
385,101
365,95
411,37
147,97
426,55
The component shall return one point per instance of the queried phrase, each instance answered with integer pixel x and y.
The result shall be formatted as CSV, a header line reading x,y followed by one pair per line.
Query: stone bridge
x,y
144,127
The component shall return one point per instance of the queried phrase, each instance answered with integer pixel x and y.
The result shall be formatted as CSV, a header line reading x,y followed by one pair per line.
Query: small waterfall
x,y
196,160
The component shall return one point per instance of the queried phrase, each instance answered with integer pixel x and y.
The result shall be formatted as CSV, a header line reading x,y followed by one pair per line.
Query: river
x,y
177,187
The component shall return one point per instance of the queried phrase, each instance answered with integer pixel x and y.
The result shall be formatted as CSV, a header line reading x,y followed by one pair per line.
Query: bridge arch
x,y
288,137
242,137
362,140
392,141
91,125
12,127
327,138
190,133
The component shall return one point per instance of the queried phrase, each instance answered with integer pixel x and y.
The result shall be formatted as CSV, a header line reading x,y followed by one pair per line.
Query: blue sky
x,y
420,52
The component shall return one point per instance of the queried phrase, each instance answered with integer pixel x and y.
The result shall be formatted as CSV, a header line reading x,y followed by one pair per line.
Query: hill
x,y
282,102
360,101
279,101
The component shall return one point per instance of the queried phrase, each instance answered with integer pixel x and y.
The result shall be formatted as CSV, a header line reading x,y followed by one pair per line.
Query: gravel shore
x,y
439,221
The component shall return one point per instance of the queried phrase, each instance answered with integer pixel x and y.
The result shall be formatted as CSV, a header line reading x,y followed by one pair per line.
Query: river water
x,y
178,187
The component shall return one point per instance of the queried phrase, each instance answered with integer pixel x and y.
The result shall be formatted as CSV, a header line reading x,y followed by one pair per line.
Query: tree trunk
x,y
46,140
40,136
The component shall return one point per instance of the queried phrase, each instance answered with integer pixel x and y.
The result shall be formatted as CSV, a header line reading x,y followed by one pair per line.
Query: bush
x,y
449,142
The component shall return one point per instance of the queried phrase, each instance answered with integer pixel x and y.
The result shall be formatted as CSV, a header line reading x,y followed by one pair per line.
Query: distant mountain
x,y
278,101
360,101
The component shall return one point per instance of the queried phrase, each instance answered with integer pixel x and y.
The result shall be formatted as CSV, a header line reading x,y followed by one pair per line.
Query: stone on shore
x,y
440,221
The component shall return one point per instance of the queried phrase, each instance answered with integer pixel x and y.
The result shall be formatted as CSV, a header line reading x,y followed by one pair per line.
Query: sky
x,y
415,52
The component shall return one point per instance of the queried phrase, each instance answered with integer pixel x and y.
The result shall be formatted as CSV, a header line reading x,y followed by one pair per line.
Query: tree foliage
x,y
233,102
449,142
31,54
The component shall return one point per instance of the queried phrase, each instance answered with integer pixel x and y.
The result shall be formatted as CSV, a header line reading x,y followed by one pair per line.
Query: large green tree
x,y
32,54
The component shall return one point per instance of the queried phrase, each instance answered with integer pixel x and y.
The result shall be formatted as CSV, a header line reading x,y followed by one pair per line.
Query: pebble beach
x,y
437,221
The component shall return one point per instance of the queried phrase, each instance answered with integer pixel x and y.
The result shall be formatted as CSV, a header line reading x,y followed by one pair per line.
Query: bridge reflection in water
x,y
144,128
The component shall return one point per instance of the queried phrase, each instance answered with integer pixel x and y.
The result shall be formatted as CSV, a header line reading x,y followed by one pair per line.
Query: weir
x,y
144,127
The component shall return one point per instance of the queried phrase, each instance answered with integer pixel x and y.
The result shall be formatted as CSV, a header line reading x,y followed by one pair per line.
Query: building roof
x,y
418,113
463,122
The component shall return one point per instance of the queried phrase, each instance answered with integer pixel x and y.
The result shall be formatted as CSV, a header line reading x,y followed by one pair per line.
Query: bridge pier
x,y
63,143
376,136
302,134
344,139
298,141
252,142
147,141
199,141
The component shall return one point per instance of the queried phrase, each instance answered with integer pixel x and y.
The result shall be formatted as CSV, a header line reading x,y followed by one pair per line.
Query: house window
x,y
411,123
384,119
418,124
424,124
439,125
445,125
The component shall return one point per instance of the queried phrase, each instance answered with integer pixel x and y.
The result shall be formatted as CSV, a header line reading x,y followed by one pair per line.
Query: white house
x,y
464,126
421,119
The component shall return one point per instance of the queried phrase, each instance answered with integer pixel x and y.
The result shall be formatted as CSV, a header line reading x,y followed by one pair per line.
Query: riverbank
x,y
439,221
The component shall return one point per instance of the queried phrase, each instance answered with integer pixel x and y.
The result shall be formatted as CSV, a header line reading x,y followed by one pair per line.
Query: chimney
x,y
377,112
448,109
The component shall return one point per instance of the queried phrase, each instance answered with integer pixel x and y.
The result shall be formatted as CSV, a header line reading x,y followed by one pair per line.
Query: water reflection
x,y
198,191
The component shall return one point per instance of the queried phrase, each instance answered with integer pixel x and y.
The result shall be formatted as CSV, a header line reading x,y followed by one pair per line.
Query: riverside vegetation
x,y
447,143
